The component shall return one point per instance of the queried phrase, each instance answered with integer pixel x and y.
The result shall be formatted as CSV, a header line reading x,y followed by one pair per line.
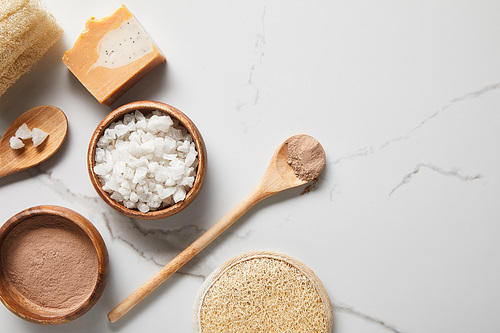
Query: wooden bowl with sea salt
x,y
53,265
147,160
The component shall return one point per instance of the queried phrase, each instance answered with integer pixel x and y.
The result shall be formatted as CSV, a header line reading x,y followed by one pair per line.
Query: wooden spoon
x,y
279,176
45,117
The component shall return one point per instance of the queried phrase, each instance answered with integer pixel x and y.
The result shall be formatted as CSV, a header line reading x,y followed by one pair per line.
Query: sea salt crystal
x,y
170,157
176,134
117,196
191,157
134,137
99,155
154,201
153,166
23,132
121,130
159,123
187,181
184,147
129,204
38,136
110,134
134,149
170,182
133,197
159,147
176,169
164,192
100,169
143,207
141,124
16,143
119,168
128,119
140,174
128,174
161,174
146,162
148,147
139,115
180,194
169,144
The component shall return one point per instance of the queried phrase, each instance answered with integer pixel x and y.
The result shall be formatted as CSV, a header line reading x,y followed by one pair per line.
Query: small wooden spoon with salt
x,y
297,161
45,117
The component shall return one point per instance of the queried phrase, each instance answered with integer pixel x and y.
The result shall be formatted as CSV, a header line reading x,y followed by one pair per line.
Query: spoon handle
x,y
186,255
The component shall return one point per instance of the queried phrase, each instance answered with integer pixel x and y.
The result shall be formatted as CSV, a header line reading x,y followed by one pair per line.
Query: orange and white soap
x,y
111,55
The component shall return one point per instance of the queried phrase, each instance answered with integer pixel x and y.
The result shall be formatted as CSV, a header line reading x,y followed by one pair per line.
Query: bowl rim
x,y
102,259
148,105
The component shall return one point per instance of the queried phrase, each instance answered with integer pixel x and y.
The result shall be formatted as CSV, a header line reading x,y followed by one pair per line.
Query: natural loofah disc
x,y
263,292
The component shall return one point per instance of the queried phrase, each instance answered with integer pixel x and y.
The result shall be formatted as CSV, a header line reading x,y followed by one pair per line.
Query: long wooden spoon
x,y
297,161
45,117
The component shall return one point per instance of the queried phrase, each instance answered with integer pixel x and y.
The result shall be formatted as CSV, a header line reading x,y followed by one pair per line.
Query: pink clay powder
x,y
51,263
306,156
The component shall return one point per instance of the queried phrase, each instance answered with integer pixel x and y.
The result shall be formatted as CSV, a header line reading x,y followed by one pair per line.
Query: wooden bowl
x,y
147,107
37,261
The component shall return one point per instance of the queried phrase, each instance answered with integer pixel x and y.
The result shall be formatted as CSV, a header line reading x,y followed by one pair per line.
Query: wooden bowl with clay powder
x,y
53,265
124,181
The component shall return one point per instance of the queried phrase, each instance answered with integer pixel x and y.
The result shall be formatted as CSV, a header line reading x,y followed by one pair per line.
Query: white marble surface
x,y
403,226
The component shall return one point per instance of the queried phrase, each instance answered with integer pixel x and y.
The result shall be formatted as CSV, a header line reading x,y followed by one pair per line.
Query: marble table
x,y
403,225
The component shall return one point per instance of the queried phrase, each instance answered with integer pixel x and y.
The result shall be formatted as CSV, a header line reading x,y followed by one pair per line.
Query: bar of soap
x,y
111,55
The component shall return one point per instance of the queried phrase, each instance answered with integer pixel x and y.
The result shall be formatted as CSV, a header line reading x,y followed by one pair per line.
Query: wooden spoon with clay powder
x,y
45,117
297,161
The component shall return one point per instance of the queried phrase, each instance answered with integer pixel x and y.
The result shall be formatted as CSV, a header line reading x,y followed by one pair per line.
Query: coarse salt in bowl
x,y
147,160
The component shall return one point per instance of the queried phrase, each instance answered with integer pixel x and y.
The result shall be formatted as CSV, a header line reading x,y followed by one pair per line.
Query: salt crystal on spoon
x,y
16,143
23,132
38,136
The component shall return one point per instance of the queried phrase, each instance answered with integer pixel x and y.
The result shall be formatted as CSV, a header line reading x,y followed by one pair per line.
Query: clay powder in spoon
x,y
50,263
306,156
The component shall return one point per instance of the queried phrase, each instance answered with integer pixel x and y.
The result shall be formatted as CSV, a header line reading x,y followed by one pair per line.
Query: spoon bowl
x,y
280,175
293,155
49,119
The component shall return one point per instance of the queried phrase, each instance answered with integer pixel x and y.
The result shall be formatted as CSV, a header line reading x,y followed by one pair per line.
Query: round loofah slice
x,y
263,292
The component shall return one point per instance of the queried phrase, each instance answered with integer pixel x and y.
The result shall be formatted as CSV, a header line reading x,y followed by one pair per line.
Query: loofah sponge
x,y
263,292
27,31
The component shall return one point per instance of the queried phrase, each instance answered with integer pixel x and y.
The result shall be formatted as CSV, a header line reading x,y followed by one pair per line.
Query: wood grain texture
x,y
147,107
49,119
